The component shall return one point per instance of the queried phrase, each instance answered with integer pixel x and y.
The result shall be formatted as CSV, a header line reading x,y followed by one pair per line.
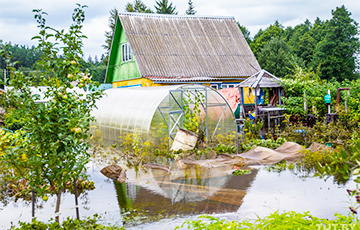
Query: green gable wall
x,y
117,70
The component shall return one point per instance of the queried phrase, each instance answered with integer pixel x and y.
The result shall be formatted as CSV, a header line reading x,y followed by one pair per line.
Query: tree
x,y
336,52
138,6
263,37
245,32
298,32
278,58
25,56
90,60
305,48
190,10
53,152
109,34
163,7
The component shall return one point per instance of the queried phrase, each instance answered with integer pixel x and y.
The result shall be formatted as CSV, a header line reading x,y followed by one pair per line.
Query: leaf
x,y
36,37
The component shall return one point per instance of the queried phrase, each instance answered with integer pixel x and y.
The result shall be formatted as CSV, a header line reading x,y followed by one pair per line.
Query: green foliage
x,y
345,160
321,133
264,36
54,151
245,32
96,68
330,46
239,172
305,85
23,55
353,115
287,220
307,166
191,9
278,58
248,144
221,148
137,6
109,34
163,7
336,52
252,129
193,105
87,224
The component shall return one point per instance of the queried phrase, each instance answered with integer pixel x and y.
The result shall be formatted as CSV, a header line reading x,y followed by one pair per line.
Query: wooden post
x,y
241,89
346,107
33,203
329,108
76,200
256,109
279,96
305,100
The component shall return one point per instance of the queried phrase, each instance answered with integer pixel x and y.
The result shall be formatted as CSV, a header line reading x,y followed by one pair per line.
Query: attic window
x,y
126,52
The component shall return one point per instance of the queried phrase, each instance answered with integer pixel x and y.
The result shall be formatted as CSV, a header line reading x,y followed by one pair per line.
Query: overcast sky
x,y
17,23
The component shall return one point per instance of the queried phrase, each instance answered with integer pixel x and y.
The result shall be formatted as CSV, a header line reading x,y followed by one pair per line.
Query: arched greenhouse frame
x,y
158,112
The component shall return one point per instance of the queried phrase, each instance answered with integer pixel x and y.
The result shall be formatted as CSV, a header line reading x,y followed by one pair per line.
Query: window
x,y
214,86
126,52
224,86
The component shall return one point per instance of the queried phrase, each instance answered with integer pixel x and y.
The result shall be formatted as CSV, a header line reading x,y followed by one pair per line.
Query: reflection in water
x,y
154,195
183,192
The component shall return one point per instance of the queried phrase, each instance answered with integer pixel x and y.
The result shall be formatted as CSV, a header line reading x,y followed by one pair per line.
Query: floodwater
x,y
155,199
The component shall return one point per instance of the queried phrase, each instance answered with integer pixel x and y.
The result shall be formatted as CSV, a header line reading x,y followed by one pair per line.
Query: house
x,y
157,49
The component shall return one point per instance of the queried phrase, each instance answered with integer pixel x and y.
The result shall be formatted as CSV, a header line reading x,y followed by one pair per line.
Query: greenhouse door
x,y
176,112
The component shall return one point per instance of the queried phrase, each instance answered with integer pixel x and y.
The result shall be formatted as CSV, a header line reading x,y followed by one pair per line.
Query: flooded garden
x,y
166,156
154,198
133,180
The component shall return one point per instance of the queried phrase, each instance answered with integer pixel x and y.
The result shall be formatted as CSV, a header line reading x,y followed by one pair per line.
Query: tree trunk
x,y
57,208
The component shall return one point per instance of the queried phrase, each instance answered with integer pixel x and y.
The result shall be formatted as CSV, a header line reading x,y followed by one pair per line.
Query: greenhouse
x,y
158,112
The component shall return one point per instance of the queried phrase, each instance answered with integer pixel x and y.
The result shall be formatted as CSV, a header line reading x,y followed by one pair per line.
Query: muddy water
x,y
155,199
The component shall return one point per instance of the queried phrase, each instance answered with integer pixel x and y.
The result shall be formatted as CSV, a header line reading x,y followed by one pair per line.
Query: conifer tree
x,y
190,10
138,6
163,7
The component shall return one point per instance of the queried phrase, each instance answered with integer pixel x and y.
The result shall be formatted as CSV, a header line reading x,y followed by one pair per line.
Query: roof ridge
x,y
176,16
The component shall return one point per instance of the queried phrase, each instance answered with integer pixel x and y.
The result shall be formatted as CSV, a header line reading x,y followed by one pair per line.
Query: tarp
x,y
260,155
232,96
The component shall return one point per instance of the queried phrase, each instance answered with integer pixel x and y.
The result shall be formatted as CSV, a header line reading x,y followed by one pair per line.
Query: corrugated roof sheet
x,y
189,79
186,46
263,78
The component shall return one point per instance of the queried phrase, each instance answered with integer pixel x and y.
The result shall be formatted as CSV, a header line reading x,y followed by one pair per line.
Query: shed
x,y
257,82
159,111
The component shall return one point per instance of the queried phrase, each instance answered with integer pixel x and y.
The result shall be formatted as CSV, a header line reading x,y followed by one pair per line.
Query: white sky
x,y
17,23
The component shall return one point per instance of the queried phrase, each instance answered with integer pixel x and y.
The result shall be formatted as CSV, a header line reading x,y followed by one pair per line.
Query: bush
x,y
87,224
288,220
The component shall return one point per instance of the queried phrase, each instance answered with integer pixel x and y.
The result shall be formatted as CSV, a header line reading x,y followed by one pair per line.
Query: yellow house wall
x,y
248,99
147,83
140,81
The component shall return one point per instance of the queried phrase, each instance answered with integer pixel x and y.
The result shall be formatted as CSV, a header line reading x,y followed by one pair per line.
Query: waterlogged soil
x,y
156,199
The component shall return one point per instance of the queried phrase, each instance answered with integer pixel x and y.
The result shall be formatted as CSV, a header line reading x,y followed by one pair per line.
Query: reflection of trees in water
x,y
186,192
303,169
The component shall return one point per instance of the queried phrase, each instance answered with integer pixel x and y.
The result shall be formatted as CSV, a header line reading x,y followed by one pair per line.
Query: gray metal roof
x,y
263,79
169,46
